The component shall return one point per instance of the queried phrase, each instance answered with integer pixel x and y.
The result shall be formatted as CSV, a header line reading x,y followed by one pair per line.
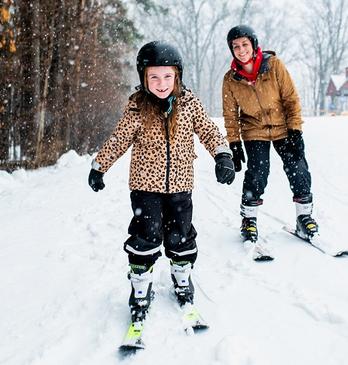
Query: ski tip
x,y
341,254
264,258
129,350
197,328
200,327
261,252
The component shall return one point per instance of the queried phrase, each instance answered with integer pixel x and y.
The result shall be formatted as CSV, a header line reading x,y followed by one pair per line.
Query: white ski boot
x,y
142,293
181,276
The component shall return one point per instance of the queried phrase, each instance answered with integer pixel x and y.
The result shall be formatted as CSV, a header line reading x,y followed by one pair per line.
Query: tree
x,y
7,66
325,36
71,79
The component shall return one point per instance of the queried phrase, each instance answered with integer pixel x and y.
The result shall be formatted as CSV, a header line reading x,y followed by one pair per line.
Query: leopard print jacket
x,y
157,164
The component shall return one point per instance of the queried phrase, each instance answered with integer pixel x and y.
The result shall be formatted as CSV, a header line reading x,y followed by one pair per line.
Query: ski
x,y
133,339
258,251
192,320
317,242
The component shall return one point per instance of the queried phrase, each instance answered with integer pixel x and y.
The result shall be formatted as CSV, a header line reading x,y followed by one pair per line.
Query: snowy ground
x,y
63,284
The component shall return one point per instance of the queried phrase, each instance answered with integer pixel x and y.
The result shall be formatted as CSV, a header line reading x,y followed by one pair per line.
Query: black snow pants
x,y
161,218
258,168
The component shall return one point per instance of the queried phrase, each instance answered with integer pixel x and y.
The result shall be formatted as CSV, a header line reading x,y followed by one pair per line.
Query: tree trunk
x,y
30,72
41,119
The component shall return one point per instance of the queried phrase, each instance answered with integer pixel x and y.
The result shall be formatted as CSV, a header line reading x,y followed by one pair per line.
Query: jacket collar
x,y
264,67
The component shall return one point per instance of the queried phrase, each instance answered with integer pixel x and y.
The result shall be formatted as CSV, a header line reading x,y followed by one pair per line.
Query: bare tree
x,y
245,8
216,66
325,37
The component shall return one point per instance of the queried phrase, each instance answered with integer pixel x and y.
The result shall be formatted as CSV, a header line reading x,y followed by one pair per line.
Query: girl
x,y
261,106
159,122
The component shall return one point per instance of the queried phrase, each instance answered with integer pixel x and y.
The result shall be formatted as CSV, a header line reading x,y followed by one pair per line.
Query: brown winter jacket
x,y
158,165
263,111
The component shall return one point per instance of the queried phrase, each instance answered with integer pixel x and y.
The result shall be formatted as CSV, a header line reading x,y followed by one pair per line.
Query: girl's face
x,y
242,49
160,80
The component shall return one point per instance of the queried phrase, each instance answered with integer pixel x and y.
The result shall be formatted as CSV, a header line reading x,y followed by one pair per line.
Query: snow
x,y
64,289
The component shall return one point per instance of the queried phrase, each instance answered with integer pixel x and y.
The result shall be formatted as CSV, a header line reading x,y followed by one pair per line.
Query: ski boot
x,y
248,230
142,293
181,276
306,226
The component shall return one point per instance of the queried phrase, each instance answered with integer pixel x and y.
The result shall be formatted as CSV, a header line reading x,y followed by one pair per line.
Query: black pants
x,y
258,167
161,218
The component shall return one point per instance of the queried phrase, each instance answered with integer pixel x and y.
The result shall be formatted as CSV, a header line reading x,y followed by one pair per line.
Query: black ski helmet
x,y
242,31
158,53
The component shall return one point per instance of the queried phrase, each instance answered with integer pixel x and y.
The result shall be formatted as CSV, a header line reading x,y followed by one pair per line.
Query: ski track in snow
x,y
312,304
64,288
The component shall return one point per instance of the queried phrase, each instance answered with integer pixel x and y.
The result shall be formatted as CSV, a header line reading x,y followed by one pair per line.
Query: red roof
x,y
338,85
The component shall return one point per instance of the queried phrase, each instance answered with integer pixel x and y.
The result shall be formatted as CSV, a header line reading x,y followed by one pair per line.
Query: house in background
x,y
337,91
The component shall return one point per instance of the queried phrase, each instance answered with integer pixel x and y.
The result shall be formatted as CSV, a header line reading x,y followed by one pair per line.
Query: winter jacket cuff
x,y
96,165
222,149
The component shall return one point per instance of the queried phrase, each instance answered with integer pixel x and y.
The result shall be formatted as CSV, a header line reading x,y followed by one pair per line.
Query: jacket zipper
x,y
168,154
258,99
263,111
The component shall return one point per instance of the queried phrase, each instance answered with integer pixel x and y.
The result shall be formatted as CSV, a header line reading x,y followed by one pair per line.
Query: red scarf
x,y
257,59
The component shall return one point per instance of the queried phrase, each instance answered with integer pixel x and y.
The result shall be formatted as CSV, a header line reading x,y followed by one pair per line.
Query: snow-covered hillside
x,y
64,289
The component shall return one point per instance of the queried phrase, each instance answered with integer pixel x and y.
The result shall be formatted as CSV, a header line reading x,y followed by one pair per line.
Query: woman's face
x,y
242,49
160,80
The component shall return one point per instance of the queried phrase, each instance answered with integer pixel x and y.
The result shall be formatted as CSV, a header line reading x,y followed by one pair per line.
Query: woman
x,y
261,107
159,122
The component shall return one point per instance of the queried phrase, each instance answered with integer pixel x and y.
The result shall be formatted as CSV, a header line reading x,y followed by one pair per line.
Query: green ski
x,y
133,339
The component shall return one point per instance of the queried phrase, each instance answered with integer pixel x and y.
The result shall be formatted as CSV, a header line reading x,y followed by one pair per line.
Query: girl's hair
x,y
150,109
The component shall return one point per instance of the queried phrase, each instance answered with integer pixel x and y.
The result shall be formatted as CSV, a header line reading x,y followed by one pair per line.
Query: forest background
x,y
67,67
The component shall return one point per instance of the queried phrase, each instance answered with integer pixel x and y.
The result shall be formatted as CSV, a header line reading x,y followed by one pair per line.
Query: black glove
x,y
295,144
238,155
224,168
95,180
